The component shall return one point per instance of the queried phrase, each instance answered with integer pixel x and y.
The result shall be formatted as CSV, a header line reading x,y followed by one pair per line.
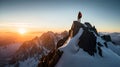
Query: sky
x,y
58,15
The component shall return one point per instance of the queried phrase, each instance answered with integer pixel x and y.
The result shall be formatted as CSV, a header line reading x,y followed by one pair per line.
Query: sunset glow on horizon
x,y
57,16
22,31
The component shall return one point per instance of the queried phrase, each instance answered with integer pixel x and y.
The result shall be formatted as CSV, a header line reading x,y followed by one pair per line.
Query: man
x,y
79,16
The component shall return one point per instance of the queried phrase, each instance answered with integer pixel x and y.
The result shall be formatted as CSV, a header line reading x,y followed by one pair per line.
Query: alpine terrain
x,y
82,46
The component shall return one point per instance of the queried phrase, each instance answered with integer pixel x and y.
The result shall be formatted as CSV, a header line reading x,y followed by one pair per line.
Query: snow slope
x,y
114,48
73,56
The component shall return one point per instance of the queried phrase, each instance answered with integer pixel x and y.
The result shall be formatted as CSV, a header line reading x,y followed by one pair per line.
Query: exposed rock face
x,y
105,44
75,28
106,37
100,51
88,42
88,25
94,29
62,41
51,59
99,44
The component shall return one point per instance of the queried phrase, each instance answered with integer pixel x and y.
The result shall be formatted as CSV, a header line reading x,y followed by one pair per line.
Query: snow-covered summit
x,y
84,47
87,49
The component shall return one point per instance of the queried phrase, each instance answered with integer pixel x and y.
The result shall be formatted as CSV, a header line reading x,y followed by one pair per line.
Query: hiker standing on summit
x,y
79,16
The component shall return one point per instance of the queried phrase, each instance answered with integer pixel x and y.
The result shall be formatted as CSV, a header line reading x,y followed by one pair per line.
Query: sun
x,y
21,30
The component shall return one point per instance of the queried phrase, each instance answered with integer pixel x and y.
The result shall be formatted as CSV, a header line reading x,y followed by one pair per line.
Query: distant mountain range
x,y
82,46
31,51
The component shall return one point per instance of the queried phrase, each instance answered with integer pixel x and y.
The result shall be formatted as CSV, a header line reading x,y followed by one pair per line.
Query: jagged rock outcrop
x,y
88,42
75,28
99,44
88,25
51,59
106,37
105,43
95,30
61,42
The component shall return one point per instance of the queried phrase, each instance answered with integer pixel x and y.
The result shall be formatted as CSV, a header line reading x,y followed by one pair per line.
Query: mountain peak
x,y
82,46
87,41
